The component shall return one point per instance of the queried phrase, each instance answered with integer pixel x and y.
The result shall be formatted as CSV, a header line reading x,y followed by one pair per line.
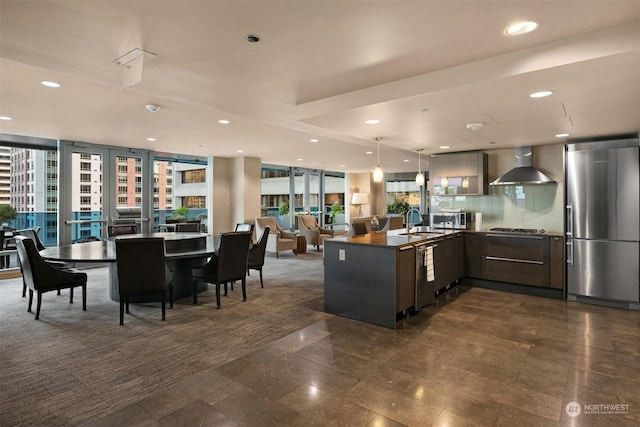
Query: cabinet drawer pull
x,y
519,236
524,261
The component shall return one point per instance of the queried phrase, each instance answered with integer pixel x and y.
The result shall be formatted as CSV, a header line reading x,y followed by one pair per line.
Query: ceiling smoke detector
x,y
152,108
474,126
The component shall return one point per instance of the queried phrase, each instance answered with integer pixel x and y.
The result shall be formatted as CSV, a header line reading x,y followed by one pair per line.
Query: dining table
x,y
183,251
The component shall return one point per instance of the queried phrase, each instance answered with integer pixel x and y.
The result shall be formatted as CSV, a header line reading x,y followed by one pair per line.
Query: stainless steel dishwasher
x,y
425,276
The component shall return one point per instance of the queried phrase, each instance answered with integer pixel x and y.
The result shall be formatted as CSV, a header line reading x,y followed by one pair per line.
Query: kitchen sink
x,y
422,234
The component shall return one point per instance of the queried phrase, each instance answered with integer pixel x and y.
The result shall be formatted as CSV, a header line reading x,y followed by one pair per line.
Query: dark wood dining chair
x,y
256,254
193,227
42,277
121,229
142,272
229,263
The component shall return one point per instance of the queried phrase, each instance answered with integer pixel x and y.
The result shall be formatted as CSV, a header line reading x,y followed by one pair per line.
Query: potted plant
x,y
283,209
398,207
336,208
180,213
283,215
7,212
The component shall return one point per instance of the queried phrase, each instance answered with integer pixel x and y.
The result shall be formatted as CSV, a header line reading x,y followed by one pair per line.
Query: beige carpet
x,y
72,366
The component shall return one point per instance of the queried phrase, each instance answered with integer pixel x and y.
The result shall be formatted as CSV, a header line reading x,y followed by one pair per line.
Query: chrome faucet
x,y
407,219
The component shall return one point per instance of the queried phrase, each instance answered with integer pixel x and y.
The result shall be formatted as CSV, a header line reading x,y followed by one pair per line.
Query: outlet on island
x,y
341,255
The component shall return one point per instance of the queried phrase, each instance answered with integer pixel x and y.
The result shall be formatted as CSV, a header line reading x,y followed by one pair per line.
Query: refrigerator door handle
x,y
569,220
570,251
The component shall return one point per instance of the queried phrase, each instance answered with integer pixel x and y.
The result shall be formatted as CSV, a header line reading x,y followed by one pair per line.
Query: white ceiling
x,y
424,68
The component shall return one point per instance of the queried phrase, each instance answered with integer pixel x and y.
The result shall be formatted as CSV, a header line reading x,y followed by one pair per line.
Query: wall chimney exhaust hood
x,y
524,172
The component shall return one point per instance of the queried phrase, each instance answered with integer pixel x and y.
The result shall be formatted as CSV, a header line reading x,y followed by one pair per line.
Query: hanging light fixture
x,y
378,173
444,182
419,176
465,182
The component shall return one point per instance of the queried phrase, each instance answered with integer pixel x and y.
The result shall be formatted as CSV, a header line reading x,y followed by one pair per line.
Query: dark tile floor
x,y
482,358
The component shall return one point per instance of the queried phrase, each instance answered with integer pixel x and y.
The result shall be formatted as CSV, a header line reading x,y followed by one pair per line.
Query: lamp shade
x,y
378,174
360,199
419,179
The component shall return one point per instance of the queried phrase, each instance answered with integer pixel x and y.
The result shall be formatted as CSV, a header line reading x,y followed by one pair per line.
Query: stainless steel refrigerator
x,y
603,221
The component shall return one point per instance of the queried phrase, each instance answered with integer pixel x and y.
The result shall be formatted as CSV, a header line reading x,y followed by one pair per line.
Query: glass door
x,y
107,185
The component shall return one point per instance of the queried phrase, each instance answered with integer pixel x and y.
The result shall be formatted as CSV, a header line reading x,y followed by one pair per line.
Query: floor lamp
x,y
360,199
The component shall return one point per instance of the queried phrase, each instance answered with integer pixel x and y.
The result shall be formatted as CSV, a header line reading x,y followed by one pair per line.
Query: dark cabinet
x,y
473,259
556,262
516,259
458,174
448,256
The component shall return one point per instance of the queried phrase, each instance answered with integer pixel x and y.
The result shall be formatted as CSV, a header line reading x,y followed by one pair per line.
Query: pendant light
x,y
378,173
465,182
419,176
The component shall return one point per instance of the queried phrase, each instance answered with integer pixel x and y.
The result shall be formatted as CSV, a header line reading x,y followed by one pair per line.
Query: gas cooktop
x,y
518,230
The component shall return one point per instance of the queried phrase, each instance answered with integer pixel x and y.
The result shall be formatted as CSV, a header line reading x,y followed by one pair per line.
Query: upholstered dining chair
x,y
359,229
229,263
32,234
188,227
256,254
243,226
279,240
121,229
142,271
4,259
42,277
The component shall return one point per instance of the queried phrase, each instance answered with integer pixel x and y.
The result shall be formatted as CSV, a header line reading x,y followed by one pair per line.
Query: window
x,y
192,176
85,189
85,166
85,177
85,200
194,202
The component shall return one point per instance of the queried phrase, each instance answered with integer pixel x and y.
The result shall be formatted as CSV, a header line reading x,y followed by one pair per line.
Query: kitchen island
x,y
372,277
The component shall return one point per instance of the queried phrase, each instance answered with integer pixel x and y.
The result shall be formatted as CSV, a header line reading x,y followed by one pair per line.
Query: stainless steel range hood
x,y
524,172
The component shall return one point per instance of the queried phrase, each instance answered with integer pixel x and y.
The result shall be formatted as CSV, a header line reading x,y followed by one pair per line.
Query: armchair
x,y
279,240
310,229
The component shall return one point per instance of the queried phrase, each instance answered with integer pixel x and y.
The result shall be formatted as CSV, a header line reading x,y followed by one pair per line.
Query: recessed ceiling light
x,y
252,38
299,159
561,135
342,166
49,84
239,151
5,118
369,152
313,140
151,139
224,121
541,94
492,142
522,27
445,147
152,108
406,160
372,121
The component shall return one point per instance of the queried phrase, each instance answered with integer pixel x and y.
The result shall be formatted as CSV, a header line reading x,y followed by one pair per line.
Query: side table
x,y
301,244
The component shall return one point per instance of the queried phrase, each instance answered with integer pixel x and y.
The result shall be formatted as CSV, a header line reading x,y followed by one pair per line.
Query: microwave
x,y
455,220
